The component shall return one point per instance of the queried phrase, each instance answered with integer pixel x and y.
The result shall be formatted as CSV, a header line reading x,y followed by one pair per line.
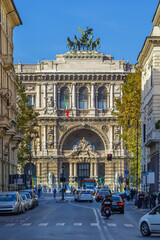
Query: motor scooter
x,y
107,212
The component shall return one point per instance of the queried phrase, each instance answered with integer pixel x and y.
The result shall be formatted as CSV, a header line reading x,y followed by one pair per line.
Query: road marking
x,y
77,224
43,224
128,225
60,224
111,224
94,224
100,216
26,224
108,233
9,224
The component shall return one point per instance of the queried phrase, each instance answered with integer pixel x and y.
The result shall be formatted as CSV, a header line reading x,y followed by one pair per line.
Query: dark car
x,y
117,204
101,195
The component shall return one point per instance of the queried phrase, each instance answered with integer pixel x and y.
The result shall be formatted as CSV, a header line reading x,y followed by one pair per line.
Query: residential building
x,y
149,61
9,137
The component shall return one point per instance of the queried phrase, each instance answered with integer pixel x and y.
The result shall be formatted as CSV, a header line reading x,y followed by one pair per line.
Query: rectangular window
x,y
29,100
144,133
34,101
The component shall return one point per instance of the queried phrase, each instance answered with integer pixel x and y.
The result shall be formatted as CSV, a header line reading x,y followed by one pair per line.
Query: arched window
x,y
64,97
83,98
102,98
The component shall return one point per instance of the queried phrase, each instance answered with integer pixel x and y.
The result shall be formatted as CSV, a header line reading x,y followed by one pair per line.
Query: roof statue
x,y
85,42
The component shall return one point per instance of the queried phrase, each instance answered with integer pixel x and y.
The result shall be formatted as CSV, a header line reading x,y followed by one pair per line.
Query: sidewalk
x,y
131,202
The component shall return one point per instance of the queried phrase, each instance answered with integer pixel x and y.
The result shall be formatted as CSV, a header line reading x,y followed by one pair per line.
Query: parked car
x,y
30,199
150,222
10,202
77,192
33,196
85,195
117,204
100,196
23,209
25,199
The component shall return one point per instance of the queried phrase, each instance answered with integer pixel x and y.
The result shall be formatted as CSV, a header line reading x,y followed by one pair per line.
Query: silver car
x,y
30,199
10,202
25,201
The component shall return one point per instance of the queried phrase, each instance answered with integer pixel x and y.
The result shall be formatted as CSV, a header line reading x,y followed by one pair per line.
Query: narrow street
x,y
69,221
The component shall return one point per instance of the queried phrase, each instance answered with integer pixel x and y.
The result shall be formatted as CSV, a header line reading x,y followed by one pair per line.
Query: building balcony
x,y
152,138
8,61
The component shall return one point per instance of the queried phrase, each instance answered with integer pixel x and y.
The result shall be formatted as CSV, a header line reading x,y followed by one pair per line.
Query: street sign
x,y
132,177
126,172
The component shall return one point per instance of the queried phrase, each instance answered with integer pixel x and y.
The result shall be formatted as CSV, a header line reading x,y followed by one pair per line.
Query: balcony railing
x,y
152,138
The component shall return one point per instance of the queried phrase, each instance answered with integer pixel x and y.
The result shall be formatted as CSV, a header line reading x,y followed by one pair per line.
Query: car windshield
x,y
116,199
23,197
27,195
85,192
8,198
104,192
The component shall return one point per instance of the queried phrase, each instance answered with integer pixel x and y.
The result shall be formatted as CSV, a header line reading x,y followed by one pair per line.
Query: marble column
x,y
38,97
91,170
111,97
44,137
96,171
111,137
74,96
55,95
70,174
75,169
45,95
92,96
92,103
55,137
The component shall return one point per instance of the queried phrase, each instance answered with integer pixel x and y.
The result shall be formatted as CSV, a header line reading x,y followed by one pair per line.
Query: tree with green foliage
x,y
129,117
27,121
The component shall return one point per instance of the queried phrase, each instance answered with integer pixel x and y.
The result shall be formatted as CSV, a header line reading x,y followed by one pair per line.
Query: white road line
x,y
112,224
94,224
9,224
128,225
107,233
100,216
77,224
42,224
26,224
60,224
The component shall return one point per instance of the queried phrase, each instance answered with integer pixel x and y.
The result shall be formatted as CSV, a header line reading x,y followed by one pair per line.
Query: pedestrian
x,y
158,197
146,199
140,199
54,193
154,198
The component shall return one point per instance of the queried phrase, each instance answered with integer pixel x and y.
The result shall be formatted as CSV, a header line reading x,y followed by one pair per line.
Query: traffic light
x,y
127,181
109,157
121,179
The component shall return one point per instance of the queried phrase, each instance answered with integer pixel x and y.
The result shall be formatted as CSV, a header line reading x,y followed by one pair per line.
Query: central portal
x,y
83,172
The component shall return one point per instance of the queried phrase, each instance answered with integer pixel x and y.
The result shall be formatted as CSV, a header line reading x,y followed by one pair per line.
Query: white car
x,y
85,195
77,192
150,223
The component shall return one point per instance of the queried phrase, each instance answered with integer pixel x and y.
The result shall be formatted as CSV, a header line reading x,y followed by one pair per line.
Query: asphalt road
x,y
71,221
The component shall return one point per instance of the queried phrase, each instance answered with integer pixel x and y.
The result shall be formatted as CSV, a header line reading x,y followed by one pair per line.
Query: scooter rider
x,y
107,198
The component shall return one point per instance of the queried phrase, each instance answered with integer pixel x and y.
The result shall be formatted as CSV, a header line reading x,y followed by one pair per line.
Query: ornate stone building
x,y
86,83
9,137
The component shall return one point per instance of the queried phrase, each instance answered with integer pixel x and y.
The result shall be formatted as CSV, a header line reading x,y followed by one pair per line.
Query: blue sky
x,y
122,26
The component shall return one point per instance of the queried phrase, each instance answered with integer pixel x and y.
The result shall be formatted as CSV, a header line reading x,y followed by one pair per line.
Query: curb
x,y
62,201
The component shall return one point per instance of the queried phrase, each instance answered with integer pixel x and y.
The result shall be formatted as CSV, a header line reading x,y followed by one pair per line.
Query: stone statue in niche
x,y
50,102
50,138
84,149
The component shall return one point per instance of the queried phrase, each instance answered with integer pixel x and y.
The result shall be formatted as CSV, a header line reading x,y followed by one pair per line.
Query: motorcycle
x,y
107,209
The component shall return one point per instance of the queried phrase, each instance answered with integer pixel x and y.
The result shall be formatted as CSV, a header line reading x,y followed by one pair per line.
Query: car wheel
x,y
75,200
145,229
97,200
122,212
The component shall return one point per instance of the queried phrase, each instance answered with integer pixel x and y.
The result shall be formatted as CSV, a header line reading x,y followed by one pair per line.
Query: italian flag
x,y
66,107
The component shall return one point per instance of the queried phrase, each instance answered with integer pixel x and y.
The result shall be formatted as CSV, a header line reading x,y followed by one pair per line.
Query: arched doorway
x,y
83,149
